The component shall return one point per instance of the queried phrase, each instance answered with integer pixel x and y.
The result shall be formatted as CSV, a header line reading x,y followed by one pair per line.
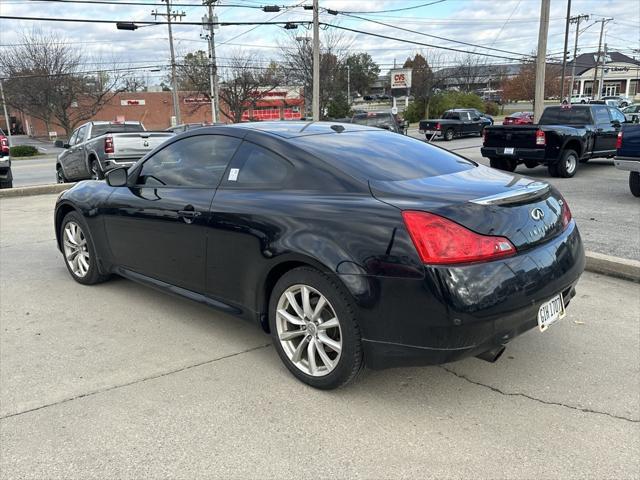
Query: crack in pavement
x,y
539,400
134,382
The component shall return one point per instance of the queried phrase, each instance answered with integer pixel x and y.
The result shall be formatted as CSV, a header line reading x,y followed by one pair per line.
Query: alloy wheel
x,y
95,174
59,176
570,164
309,330
76,250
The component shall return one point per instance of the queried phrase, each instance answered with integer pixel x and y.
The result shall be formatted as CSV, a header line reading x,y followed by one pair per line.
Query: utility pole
x,y
174,82
315,102
596,92
348,84
541,61
564,52
6,115
213,68
577,19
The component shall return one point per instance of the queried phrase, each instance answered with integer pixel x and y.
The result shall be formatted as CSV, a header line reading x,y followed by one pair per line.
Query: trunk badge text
x,y
537,214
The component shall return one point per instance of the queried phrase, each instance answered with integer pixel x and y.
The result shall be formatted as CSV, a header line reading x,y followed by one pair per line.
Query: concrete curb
x,y
624,268
35,190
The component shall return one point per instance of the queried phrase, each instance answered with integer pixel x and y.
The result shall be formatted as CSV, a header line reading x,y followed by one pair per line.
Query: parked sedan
x,y
632,113
348,244
519,118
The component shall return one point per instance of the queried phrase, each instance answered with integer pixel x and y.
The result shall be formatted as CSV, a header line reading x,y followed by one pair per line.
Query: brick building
x,y
155,110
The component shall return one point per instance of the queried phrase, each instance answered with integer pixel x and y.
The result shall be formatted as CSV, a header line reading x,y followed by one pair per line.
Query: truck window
x,y
602,115
451,116
566,116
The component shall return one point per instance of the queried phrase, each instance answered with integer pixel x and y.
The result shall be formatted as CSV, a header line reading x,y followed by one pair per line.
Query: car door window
x,y
256,166
198,161
602,115
74,137
617,115
82,133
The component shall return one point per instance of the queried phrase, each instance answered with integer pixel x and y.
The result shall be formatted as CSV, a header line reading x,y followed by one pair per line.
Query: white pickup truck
x,y
97,147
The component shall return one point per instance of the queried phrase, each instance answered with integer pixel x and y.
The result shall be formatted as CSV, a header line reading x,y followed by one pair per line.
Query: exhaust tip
x,y
492,355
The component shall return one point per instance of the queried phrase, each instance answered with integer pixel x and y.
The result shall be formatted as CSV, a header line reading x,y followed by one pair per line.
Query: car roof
x,y
292,129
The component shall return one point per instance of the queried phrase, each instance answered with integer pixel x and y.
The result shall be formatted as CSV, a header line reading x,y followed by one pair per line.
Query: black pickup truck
x,y
565,136
455,123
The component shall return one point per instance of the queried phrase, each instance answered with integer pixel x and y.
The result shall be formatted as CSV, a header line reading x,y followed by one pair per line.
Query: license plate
x,y
430,132
550,312
508,151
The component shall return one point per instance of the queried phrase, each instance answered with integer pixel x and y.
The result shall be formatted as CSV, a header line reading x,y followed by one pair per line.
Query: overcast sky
x,y
510,25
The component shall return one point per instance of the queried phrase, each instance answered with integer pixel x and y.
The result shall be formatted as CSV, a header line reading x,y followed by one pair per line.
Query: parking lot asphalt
x,y
121,381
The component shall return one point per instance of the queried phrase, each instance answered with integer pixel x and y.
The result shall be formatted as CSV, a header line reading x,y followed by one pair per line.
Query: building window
x,y
634,87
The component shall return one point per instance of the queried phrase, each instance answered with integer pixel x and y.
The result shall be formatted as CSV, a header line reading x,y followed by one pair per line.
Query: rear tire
x,y
506,164
95,170
449,134
60,178
8,182
634,183
79,251
303,344
568,164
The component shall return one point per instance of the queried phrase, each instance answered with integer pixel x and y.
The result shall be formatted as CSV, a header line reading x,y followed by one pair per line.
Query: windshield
x,y
372,155
373,120
102,128
565,116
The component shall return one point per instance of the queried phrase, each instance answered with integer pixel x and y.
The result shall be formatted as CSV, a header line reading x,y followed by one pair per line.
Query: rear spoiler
x,y
526,193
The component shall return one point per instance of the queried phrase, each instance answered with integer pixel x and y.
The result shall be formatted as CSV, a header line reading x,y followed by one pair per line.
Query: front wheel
x,y
314,329
634,183
79,251
506,164
568,164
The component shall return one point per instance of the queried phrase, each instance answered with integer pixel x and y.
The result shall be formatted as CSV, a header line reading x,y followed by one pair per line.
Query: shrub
x,y
442,102
23,151
491,108
415,111
338,107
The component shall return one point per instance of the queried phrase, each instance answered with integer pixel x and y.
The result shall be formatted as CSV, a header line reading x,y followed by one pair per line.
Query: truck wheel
x,y
506,164
448,135
530,163
95,170
8,182
634,183
568,164
60,178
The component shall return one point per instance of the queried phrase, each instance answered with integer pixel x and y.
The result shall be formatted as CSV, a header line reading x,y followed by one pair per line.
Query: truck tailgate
x,y
511,136
136,145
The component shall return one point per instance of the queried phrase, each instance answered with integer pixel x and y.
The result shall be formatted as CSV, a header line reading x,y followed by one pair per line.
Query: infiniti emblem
x,y
537,214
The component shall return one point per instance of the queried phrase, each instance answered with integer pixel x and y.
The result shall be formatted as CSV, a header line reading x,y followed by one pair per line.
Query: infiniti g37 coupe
x,y
348,244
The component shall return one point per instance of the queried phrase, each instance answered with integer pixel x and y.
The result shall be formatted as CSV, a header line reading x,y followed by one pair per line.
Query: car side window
x,y
198,161
82,133
617,115
256,166
74,137
601,115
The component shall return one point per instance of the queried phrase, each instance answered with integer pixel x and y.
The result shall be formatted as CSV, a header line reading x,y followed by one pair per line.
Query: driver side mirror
x,y
117,177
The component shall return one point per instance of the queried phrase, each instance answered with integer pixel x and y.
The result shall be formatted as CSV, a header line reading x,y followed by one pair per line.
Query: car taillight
x,y
442,241
484,136
541,138
4,145
108,145
619,141
566,213
437,126
507,121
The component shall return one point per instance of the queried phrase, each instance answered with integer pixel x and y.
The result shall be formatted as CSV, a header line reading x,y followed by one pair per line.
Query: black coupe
x,y
348,244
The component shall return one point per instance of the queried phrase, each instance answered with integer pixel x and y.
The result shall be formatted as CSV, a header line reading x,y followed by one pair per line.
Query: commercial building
x,y
618,74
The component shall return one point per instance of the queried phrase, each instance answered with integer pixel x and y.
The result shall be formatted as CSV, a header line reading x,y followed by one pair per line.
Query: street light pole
x,y
174,82
541,62
6,115
348,84
577,21
315,102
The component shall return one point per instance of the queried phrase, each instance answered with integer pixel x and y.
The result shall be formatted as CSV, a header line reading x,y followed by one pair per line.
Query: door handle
x,y
188,214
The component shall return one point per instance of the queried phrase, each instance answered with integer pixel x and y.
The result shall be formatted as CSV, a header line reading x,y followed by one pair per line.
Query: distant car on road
x,y
6,176
628,155
455,123
632,113
349,245
384,120
621,100
577,99
519,118
97,147
564,137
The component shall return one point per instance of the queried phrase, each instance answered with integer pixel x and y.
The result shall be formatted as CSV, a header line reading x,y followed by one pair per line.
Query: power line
x,y
400,9
113,2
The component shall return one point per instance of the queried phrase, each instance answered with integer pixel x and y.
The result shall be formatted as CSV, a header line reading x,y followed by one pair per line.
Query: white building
x,y
619,74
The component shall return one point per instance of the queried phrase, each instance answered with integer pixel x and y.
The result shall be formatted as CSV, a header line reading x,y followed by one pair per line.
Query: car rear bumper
x,y
537,154
461,311
627,163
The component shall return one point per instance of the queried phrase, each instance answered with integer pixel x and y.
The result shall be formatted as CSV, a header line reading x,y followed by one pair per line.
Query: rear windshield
x,y
565,116
372,155
451,116
103,128
374,120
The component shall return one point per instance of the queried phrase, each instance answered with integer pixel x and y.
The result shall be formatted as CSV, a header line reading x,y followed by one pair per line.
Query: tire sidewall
x,y
93,275
562,164
449,134
634,183
351,355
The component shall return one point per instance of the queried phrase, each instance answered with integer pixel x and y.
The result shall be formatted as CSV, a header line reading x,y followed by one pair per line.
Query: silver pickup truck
x,y
97,147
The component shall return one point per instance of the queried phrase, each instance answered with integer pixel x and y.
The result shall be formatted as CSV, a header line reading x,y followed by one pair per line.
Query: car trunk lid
x,y
486,201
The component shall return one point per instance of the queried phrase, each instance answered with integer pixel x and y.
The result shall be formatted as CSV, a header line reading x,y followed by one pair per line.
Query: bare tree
x,y
245,83
427,77
134,84
297,61
48,79
471,72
